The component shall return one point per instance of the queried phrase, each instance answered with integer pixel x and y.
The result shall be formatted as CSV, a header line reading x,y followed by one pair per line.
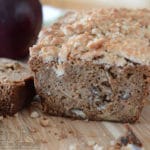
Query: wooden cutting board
x,y
22,132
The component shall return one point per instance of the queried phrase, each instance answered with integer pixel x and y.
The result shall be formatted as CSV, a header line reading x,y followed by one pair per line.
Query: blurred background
x,y
77,4
53,9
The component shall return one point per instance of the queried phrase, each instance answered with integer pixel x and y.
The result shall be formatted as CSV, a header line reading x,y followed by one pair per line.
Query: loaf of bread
x,y
94,64
16,86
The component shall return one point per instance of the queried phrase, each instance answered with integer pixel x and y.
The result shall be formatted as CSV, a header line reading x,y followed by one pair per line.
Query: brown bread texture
x,y
16,86
94,64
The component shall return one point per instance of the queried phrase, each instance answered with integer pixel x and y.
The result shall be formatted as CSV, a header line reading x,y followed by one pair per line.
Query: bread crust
x,y
103,36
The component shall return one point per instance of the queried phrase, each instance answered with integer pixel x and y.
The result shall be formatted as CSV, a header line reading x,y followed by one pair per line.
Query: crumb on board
x,y
97,147
63,136
32,129
72,147
91,143
86,120
44,141
61,121
44,122
70,132
34,114
112,142
55,133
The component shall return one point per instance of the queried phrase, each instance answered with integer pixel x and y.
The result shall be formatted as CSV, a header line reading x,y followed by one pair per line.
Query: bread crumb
x,y
55,133
44,122
61,121
44,141
97,147
70,132
34,114
91,143
28,138
112,142
33,130
86,120
72,147
62,136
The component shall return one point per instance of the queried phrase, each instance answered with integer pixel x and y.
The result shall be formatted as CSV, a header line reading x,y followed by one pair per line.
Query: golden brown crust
x,y
104,36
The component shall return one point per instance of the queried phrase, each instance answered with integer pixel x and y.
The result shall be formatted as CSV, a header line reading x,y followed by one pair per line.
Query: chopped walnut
x,y
123,33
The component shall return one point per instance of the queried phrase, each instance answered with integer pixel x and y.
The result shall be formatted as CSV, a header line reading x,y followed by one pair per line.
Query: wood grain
x,y
23,132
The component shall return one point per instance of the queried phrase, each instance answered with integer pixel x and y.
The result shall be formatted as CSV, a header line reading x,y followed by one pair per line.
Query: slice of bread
x,y
16,86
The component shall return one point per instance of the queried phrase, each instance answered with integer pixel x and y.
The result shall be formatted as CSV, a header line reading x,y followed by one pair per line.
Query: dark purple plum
x,y
20,23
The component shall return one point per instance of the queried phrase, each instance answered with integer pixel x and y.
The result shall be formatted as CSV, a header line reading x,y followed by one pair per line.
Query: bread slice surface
x,y
16,86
